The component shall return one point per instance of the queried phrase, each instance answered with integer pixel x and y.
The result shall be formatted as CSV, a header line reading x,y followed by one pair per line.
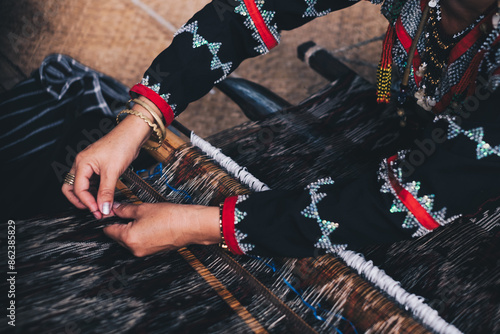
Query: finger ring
x,y
69,179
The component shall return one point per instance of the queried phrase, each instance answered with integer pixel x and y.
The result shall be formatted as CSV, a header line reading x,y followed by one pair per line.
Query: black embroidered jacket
x,y
452,169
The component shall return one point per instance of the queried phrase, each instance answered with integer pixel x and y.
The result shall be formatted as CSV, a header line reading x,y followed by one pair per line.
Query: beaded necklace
x,y
436,55
434,60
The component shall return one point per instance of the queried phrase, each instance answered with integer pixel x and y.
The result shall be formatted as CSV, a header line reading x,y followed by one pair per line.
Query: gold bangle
x,y
157,118
222,244
148,122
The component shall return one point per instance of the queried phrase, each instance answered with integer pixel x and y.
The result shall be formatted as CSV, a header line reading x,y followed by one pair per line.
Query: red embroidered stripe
x,y
150,94
444,102
228,225
468,40
409,201
262,27
406,40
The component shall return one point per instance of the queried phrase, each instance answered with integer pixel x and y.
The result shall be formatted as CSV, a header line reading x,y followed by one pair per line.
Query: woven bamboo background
x,y
122,37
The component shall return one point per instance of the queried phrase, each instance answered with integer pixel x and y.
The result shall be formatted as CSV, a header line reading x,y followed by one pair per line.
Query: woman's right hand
x,y
164,226
108,158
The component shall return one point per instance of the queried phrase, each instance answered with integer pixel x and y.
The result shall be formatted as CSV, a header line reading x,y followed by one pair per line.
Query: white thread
x,y
229,164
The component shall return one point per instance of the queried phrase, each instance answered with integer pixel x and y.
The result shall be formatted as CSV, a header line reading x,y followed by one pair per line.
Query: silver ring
x,y
69,179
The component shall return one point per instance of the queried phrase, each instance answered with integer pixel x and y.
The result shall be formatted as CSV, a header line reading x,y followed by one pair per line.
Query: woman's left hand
x,y
164,227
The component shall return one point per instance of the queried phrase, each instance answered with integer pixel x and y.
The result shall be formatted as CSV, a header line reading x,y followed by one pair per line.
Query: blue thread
x,y
186,195
299,294
157,171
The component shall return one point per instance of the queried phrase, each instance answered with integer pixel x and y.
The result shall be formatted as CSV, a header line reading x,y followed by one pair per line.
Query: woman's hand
x,y
108,158
164,227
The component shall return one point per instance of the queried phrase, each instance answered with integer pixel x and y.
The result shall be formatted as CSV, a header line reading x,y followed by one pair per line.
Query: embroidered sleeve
x,y
451,170
215,41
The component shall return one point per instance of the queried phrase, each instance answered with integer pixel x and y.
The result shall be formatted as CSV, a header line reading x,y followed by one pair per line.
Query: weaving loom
x,y
73,279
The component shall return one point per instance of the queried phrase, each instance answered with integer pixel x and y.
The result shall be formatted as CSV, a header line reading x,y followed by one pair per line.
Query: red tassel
x,y
384,72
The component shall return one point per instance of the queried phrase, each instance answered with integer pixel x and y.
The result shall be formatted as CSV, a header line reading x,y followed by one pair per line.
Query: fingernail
x,y
116,205
105,208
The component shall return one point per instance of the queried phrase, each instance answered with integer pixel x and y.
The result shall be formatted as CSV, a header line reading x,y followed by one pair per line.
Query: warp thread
x,y
157,171
314,309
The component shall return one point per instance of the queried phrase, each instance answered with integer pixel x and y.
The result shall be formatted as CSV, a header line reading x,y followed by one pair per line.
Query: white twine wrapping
x,y
413,303
229,164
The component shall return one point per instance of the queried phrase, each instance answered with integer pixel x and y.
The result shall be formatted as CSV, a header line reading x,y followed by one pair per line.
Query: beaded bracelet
x,y
157,118
148,122
222,244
